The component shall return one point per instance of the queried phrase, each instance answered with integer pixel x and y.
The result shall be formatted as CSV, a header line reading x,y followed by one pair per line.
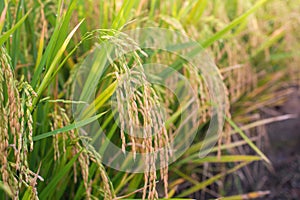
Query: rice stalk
x,y
16,126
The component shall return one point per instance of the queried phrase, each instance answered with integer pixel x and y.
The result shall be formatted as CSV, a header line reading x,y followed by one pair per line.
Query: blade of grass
x,y
197,11
69,127
3,14
211,180
196,147
7,34
57,40
41,46
47,79
185,177
100,100
124,13
15,48
277,35
250,143
223,159
28,194
6,189
59,176
251,195
233,24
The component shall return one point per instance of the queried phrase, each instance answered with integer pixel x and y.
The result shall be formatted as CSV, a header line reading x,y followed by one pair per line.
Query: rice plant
x,y
51,56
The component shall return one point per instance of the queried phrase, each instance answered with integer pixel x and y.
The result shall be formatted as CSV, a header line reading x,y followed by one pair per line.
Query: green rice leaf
x,y
250,143
51,186
233,24
224,159
211,180
7,34
69,127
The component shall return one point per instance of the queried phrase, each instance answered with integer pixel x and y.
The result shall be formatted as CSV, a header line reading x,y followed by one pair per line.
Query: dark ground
x,y
283,149
284,152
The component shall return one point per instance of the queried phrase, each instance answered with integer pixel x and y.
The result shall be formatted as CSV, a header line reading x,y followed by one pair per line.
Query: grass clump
x,y
43,43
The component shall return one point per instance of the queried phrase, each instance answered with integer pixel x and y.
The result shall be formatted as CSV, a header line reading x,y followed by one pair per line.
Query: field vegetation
x,y
254,43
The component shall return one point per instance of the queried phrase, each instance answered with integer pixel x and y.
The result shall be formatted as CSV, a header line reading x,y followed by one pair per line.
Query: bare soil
x,y
284,152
